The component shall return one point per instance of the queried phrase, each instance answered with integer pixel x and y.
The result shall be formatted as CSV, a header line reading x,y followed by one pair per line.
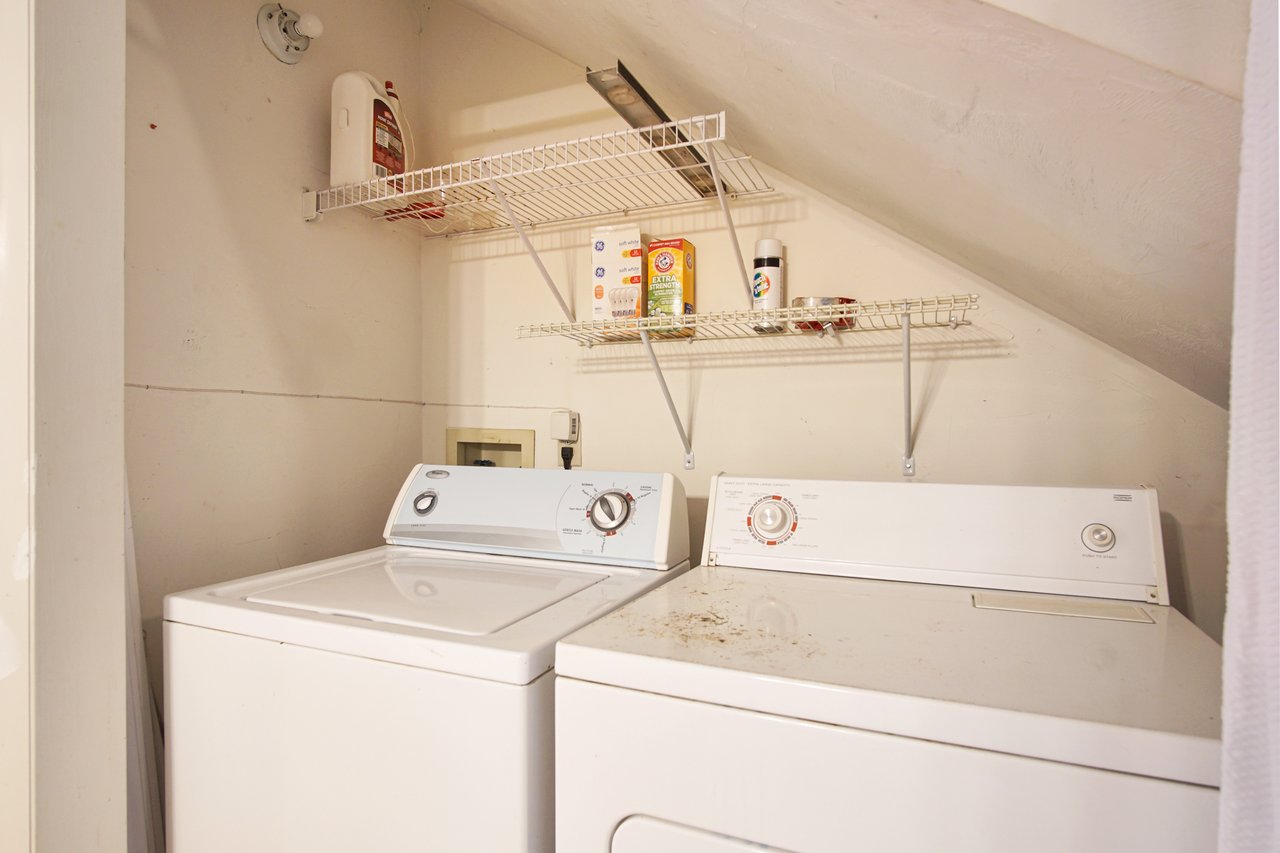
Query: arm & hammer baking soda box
x,y
671,279
617,273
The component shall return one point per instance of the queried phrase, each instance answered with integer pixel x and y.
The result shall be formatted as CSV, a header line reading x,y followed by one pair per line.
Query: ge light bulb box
x,y
617,273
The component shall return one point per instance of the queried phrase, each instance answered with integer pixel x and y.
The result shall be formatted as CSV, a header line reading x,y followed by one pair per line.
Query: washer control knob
x,y
609,511
772,518
1098,537
425,502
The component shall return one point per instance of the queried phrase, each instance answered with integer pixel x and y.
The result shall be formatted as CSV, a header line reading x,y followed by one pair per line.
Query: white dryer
x,y
896,667
400,698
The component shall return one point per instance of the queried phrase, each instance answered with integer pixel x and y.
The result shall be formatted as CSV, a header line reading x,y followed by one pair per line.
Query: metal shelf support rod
x,y
671,406
709,151
908,452
528,246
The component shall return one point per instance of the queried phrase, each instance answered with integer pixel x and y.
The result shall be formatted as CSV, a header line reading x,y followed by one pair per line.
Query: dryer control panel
x,y
614,518
1073,541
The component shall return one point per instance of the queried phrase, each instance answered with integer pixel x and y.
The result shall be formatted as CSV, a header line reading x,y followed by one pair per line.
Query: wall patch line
x,y
251,392
448,405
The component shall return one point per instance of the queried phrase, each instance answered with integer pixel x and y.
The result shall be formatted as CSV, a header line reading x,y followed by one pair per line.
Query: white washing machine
x,y
400,698
896,667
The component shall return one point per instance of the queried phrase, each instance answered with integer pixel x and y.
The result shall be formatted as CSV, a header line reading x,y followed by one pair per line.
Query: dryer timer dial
x,y
772,520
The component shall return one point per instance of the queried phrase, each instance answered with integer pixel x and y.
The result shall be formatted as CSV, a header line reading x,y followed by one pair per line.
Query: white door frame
x,y
15,420
61,424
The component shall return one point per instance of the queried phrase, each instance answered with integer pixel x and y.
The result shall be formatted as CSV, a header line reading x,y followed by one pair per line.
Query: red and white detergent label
x,y
388,144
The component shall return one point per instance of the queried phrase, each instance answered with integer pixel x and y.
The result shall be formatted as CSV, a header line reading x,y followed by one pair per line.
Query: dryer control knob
x,y
609,511
1098,537
772,518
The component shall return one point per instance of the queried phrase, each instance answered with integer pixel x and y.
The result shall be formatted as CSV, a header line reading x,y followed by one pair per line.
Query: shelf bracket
x,y
671,406
908,451
710,154
528,247
310,207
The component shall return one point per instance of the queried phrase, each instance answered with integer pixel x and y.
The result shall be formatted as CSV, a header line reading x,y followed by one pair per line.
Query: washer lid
x,y
455,612
421,592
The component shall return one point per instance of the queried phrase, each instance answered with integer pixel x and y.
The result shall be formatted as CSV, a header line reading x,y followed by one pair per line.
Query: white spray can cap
x,y
768,248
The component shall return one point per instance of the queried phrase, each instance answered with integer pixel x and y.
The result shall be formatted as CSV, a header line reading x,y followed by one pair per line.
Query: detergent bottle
x,y
366,130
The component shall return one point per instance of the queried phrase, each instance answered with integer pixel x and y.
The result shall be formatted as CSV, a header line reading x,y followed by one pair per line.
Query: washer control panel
x,y
1084,541
628,519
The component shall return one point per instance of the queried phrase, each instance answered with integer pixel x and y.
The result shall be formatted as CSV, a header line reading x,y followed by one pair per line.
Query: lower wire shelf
x,y
899,315
920,312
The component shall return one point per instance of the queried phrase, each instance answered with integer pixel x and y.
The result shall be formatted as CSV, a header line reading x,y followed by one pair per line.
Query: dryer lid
x,y
1072,680
429,593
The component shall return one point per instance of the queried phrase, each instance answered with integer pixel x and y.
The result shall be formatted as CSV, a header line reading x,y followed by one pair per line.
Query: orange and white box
x,y
617,273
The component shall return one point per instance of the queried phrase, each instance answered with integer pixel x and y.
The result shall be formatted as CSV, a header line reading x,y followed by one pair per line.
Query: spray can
x,y
767,282
366,136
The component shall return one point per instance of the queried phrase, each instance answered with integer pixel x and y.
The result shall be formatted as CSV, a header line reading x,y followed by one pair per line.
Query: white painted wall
x,y
77,418
1018,397
15,421
229,290
1198,40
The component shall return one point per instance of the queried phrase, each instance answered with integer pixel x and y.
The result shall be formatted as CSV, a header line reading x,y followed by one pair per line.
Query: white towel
x,y
1249,818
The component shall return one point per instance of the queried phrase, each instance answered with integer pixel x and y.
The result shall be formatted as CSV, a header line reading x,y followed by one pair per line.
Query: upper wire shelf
x,y
921,312
610,173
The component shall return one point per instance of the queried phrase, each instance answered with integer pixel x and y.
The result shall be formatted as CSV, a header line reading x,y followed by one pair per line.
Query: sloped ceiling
x,y
1081,156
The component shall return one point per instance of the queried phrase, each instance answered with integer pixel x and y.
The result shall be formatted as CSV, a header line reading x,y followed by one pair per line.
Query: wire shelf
x,y
640,169
922,312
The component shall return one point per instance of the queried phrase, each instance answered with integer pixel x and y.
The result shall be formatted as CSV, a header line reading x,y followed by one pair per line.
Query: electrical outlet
x,y
565,431
564,426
